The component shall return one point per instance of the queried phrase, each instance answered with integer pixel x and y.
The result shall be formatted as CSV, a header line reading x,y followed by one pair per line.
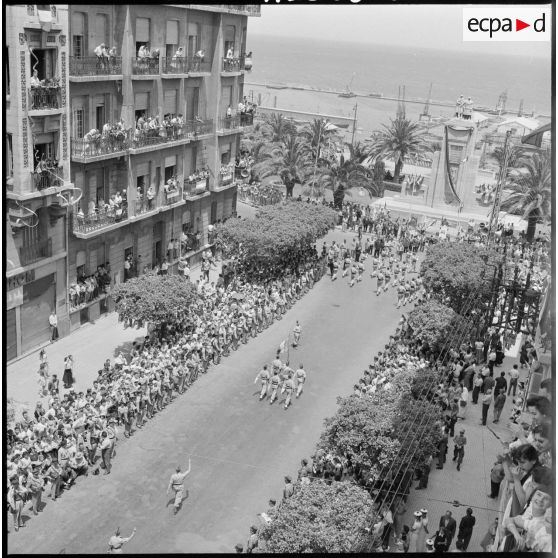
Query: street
x,y
240,447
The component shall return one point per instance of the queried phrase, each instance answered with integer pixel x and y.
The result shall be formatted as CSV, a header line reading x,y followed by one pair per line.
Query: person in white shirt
x,y
53,321
35,81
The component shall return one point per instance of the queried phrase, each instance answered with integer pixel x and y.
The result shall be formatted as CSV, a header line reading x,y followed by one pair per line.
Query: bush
x,y
320,518
454,271
157,299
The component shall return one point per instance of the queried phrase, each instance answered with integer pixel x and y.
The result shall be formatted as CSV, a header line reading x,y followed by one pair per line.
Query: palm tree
x,y
318,134
516,154
399,140
532,197
289,161
276,127
344,174
262,153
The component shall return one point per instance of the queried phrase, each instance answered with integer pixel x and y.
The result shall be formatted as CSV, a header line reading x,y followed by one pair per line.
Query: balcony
x,y
161,135
145,66
44,97
196,187
34,252
178,65
104,147
172,196
235,122
48,178
82,225
201,127
95,66
233,65
198,65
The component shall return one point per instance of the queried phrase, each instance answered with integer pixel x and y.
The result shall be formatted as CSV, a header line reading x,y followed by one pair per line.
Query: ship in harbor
x,y
375,94
276,86
347,93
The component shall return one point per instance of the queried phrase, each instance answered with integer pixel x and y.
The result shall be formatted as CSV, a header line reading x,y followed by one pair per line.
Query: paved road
x,y
240,447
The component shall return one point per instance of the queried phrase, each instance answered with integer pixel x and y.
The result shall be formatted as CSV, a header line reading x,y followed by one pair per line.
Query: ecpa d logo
x,y
510,23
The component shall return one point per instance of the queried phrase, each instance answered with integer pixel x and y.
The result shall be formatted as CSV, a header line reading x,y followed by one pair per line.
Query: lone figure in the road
x,y
177,484
297,330
116,542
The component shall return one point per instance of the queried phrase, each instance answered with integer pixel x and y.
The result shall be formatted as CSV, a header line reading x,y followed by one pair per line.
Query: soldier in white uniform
x,y
263,376
300,379
177,484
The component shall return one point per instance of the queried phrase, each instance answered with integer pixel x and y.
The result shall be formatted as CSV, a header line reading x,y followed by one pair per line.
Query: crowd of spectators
x,y
88,288
74,434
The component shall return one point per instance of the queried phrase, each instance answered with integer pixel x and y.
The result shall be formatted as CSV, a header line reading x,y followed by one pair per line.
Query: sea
x,y
368,68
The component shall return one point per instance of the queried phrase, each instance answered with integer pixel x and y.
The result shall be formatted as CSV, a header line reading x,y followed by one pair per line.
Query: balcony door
x,y
44,61
193,38
192,101
78,34
230,32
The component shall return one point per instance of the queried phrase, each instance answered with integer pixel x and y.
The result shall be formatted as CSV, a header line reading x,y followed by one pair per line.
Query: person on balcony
x,y
101,54
35,81
228,116
198,59
178,59
150,197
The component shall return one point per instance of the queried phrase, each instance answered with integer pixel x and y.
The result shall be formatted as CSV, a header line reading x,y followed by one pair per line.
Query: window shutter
x,y
170,102
170,161
142,169
172,32
141,100
101,28
78,23
142,29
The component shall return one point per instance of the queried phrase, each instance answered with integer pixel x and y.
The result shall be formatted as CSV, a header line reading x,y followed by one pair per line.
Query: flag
x,y
535,137
283,346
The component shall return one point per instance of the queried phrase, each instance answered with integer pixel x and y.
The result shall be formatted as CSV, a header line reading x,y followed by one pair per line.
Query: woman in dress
x,y
463,400
67,377
413,536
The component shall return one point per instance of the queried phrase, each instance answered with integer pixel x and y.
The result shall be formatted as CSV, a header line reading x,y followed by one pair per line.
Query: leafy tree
x,y
532,196
362,429
157,299
424,383
454,271
399,140
436,324
320,518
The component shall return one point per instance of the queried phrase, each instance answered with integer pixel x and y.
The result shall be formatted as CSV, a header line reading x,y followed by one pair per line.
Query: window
x,y
226,156
194,42
10,154
128,252
230,32
44,61
101,191
170,102
80,271
142,32
78,123
42,151
171,38
100,114
170,172
141,104
213,218
227,96
78,34
192,99
101,29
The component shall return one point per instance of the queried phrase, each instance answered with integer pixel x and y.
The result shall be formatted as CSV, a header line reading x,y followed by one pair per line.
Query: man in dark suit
x,y
449,524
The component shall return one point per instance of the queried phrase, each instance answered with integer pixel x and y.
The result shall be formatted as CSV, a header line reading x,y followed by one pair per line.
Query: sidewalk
x,y
90,346
471,485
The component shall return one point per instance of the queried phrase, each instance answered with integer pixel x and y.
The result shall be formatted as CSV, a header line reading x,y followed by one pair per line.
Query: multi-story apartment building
x,y
174,68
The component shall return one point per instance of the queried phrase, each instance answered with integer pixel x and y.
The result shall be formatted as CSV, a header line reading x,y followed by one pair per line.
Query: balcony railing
x,y
164,134
233,64
200,127
34,252
48,178
99,220
173,196
236,121
178,65
44,97
195,187
196,64
226,179
95,66
145,66
105,145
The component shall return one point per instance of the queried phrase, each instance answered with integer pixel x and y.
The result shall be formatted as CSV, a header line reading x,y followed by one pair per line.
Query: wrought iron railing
x,y
173,196
233,64
145,66
200,126
145,138
99,220
48,178
95,66
33,252
196,64
229,123
44,97
105,145
175,65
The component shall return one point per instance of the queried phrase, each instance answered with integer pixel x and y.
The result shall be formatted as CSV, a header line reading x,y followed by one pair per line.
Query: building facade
x,y
149,142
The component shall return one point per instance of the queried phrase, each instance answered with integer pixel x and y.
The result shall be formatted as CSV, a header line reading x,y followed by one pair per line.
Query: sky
x,y
426,26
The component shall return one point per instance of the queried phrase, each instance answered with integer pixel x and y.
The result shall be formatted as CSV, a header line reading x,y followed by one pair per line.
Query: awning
x,y
413,170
